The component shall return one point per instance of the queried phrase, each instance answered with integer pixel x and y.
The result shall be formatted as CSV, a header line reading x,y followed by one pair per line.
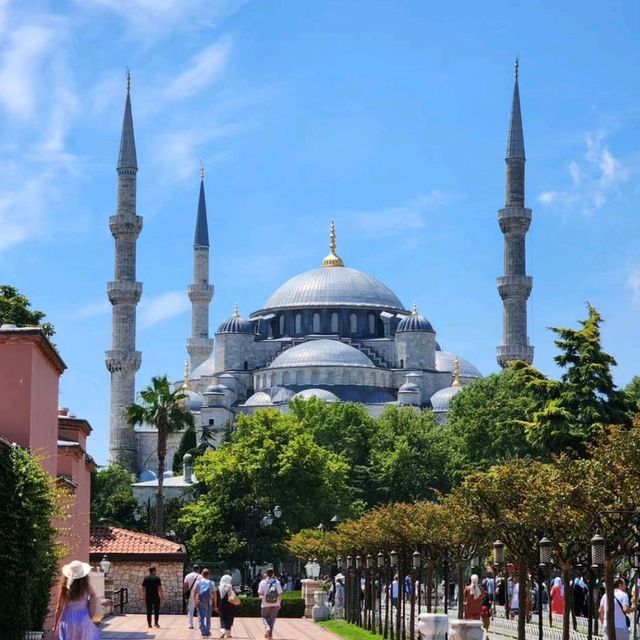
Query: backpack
x,y
271,594
205,589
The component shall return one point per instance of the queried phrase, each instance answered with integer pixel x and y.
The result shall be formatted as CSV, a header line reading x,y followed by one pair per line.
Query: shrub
x,y
291,607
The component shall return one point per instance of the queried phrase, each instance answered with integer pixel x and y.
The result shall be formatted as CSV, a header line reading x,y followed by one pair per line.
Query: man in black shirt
x,y
151,595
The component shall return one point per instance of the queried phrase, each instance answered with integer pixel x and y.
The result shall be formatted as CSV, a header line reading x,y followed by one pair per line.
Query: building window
x,y
298,323
334,323
353,323
246,365
315,377
372,324
211,422
402,363
281,325
285,377
316,323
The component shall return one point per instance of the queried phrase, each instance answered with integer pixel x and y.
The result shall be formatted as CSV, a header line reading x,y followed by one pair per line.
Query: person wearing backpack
x,y
206,598
190,581
270,590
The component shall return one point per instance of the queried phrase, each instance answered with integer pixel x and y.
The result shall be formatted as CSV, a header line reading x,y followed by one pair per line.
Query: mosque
x,y
332,332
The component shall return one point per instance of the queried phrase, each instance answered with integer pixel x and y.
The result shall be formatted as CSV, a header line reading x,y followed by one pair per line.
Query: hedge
x,y
291,607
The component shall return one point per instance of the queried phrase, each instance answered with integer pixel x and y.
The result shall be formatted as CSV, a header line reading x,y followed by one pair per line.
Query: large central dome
x,y
334,286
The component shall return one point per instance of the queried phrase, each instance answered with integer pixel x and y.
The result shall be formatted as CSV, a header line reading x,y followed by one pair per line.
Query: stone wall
x,y
131,574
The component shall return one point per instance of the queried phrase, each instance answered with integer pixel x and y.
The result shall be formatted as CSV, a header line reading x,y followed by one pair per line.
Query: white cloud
x,y
409,216
92,309
633,284
163,307
203,69
593,178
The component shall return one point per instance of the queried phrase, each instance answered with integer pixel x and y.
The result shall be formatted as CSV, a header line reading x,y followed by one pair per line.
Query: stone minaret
x,y
124,294
515,286
199,345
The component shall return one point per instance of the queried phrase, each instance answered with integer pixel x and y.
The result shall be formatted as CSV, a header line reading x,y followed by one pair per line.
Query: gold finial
x,y
128,80
332,260
236,313
186,385
517,66
201,170
456,373
415,308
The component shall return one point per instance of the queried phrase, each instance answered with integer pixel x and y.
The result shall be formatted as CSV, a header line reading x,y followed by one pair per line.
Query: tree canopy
x,y
15,308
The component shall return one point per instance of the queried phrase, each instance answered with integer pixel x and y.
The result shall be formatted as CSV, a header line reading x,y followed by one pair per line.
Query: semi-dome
x,y
333,286
414,322
409,387
330,353
205,369
259,399
194,399
445,361
147,475
440,399
236,324
321,394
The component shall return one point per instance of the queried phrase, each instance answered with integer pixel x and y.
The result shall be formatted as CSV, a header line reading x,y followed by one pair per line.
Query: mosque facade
x,y
332,332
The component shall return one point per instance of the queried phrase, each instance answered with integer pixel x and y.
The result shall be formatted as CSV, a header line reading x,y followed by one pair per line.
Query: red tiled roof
x,y
114,541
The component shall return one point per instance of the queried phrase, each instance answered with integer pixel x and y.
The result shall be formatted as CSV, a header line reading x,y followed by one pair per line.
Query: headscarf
x,y
225,585
558,582
477,592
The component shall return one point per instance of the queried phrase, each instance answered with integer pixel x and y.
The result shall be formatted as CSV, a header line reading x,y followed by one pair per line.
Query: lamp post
x,y
380,563
348,595
393,562
369,594
597,563
105,565
544,552
358,590
498,560
416,562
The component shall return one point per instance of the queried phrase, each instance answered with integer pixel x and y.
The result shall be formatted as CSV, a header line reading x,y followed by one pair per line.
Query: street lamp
x,y
339,561
544,555
393,558
105,565
597,550
137,514
498,552
312,569
277,511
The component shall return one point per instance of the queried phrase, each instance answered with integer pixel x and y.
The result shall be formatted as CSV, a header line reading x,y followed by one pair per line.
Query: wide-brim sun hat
x,y
76,570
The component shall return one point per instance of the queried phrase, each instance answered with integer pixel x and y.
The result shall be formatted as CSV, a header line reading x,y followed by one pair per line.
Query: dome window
x,y
316,323
298,323
334,323
281,325
372,324
353,323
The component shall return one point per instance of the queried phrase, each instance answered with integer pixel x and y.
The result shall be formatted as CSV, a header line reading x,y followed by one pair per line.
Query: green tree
x,y
15,308
579,407
269,460
188,444
632,393
486,423
112,498
165,410
410,458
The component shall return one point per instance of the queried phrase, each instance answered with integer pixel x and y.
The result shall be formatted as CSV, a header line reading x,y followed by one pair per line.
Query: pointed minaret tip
x,y
201,238
186,385
236,312
201,171
515,142
516,71
332,260
415,308
456,373
128,80
127,159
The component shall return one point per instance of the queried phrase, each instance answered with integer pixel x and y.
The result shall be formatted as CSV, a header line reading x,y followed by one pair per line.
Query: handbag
x,y
233,599
627,619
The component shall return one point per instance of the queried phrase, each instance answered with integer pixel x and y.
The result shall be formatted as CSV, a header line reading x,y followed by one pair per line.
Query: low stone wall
x,y
131,574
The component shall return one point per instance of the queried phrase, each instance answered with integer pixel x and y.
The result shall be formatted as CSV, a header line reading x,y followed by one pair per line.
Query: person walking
x,y
72,618
473,595
206,599
152,595
188,586
557,597
270,590
228,602
621,605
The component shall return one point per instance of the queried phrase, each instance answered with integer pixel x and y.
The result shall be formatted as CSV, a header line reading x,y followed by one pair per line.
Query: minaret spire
x,y
123,361
515,286
332,260
199,345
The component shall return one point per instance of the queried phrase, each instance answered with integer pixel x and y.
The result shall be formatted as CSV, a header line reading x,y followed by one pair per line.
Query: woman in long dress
x,y
72,619
227,609
473,595
557,596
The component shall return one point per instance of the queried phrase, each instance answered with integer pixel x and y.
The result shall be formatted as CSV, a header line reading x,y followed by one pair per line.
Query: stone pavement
x,y
134,627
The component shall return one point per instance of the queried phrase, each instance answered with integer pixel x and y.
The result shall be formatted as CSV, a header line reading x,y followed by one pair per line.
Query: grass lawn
x,y
291,595
348,631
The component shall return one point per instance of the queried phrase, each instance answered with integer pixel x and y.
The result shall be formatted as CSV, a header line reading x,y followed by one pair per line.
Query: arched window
x,y
299,377
334,323
285,377
281,325
402,363
315,376
298,323
372,324
246,365
316,323
353,323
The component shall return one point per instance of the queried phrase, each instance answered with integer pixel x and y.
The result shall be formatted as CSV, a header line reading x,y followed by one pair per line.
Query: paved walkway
x,y
134,627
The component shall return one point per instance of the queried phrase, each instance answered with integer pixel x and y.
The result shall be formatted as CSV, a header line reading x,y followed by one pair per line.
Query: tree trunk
x,y
522,598
162,455
567,600
610,619
460,581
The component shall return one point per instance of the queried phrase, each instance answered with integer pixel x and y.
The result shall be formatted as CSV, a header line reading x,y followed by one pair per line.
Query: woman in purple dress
x,y
72,620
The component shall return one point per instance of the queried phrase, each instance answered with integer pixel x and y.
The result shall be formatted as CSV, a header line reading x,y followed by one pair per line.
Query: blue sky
x,y
389,116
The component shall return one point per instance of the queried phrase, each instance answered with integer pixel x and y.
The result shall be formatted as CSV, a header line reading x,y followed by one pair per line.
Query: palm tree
x,y
167,411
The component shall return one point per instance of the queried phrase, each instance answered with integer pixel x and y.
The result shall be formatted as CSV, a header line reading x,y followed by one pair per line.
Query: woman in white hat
x,y
72,619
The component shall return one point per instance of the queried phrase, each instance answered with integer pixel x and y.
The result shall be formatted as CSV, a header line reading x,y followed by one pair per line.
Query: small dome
x,y
445,361
259,399
204,370
147,475
236,324
321,394
409,387
194,399
440,399
332,353
216,388
414,322
167,474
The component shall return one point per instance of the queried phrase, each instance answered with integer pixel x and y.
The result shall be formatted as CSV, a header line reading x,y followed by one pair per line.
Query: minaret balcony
x,y
200,292
514,286
121,360
121,225
514,219
509,352
124,291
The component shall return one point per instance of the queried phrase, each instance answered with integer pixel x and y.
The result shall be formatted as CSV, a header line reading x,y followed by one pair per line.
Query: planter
x,y
309,587
465,630
433,626
320,610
